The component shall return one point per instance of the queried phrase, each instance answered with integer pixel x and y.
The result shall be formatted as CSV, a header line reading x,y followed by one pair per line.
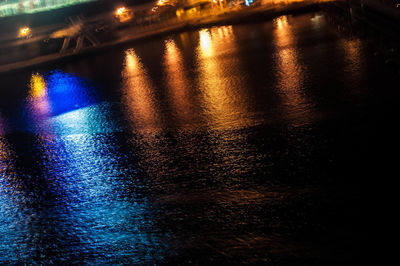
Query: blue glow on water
x,y
93,119
80,187
67,92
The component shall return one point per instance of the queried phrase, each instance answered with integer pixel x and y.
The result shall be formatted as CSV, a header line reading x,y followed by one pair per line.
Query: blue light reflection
x,y
67,92
78,188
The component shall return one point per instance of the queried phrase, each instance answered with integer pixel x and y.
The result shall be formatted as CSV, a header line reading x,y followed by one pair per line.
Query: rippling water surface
x,y
226,144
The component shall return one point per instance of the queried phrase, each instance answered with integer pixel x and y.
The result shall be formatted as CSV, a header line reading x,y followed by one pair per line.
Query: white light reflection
x,y
81,161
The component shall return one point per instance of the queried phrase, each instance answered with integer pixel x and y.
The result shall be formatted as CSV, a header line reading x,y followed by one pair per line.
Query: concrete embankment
x,y
136,33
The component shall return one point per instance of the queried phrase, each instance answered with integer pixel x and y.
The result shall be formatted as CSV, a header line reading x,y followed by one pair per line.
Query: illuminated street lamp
x,y
24,32
161,2
166,2
123,14
120,11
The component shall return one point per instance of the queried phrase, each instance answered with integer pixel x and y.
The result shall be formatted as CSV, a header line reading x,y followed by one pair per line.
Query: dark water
x,y
233,144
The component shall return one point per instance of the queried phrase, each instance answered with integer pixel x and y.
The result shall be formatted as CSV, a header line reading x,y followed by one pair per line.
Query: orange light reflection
x,y
178,84
138,95
354,61
223,90
290,73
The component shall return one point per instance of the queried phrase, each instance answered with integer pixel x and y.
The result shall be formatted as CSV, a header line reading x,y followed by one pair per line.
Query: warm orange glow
x,y
290,73
205,43
224,98
139,95
123,14
24,32
166,2
179,12
120,11
178,85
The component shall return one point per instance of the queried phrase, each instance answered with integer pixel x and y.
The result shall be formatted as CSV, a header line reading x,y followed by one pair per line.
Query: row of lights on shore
x,y
122,13
26,32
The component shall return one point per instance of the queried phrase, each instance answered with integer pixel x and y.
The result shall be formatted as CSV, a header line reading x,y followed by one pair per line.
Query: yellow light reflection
x,y
290,73
39,102
205,43
38,86
138,95
225,100
224,97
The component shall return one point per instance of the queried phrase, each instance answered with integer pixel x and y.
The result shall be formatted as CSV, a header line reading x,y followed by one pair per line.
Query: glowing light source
x,y
24,32
123,14
120,11
205,43
166,2
161,2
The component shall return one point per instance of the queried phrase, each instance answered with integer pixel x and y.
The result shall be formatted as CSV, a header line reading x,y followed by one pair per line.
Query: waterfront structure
x,y
15,7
